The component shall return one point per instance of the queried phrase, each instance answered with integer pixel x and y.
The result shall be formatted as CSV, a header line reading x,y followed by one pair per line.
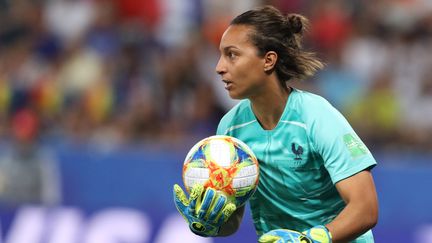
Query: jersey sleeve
x,y
343,152
220,130
228,118
222,127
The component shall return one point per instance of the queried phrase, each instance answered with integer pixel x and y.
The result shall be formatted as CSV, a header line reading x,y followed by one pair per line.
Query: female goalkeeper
x,y
315,180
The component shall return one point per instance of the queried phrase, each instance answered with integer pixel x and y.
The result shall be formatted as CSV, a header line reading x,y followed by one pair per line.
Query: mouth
x,y
228,84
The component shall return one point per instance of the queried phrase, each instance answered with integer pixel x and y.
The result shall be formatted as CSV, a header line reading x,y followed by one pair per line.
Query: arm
x,y
359,215
233,223
361,211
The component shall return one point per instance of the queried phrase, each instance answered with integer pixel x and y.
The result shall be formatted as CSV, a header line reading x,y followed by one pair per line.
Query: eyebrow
x,y
230,47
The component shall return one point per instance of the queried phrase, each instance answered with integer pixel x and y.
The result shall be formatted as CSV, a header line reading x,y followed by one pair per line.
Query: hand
x,y
317,234
204,214
284,236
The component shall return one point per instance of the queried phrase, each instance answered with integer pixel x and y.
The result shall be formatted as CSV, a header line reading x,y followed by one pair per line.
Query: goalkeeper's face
x,y
239,66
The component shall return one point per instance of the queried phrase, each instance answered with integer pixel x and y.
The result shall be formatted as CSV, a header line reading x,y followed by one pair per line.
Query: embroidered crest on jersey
x,y
298,151
354,145
292,155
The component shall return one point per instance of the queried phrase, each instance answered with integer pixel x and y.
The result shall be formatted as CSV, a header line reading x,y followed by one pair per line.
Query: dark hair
x,y
283,34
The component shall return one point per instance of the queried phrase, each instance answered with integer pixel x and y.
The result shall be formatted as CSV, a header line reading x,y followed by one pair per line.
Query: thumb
x,y
226,212
229,209
266,238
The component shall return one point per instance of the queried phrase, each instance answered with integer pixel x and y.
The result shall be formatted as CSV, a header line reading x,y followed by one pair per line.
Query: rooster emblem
x,y
297,151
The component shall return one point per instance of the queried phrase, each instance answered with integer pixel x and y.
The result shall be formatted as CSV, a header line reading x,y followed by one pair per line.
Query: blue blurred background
x,y
100,100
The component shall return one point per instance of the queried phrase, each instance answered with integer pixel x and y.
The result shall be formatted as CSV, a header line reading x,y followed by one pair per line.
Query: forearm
x,y
353,221
361,211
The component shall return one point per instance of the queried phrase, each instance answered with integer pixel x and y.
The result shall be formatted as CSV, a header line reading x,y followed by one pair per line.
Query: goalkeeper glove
x,y
204,214
317,234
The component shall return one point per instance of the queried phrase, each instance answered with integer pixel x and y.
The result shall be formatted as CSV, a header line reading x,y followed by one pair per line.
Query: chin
x,y
235,96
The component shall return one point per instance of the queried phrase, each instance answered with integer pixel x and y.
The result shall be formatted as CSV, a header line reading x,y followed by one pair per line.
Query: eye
x,y
231,55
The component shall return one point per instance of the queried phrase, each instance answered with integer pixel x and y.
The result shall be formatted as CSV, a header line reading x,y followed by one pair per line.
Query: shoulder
x,y
238,115
305,98
312,107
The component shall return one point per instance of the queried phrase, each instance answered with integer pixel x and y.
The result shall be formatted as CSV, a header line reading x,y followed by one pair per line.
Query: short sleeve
x,y
222,127
343,152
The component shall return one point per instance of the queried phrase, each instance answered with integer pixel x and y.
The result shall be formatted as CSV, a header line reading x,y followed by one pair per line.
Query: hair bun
x,y
295,22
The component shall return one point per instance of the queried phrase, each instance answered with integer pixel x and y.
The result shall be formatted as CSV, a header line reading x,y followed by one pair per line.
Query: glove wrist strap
x,y
199,229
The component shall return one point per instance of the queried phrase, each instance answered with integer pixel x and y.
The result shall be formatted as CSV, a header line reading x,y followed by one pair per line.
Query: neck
x,y
268,108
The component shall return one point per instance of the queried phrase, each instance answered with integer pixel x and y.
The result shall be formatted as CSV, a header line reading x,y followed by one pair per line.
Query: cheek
x,y
250,72
253,75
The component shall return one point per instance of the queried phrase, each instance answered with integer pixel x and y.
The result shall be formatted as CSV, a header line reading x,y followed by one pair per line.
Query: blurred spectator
x,y
338,84
331,25
378,110
28,174
116,72
68,19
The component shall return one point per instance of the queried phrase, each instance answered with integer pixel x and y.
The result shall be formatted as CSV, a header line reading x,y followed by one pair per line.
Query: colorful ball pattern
x,y
224,163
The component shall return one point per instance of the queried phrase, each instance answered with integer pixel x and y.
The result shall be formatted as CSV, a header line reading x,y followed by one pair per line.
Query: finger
x,y
180,198
195,197
284,235
217,208
227,211
209,197
266,238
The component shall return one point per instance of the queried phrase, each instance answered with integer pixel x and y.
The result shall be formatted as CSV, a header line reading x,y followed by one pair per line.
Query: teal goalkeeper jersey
x,y
300,161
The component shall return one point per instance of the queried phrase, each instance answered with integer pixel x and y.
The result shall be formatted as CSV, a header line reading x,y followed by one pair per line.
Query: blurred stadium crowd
x,y
125,71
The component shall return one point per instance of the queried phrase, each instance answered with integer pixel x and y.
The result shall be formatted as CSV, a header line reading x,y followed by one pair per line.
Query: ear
x,y
270,59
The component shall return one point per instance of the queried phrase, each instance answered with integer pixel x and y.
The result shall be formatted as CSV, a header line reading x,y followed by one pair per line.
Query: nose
x,y
220,67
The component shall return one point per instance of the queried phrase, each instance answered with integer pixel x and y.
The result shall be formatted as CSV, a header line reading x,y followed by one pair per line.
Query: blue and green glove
x,y
317,234
206,213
